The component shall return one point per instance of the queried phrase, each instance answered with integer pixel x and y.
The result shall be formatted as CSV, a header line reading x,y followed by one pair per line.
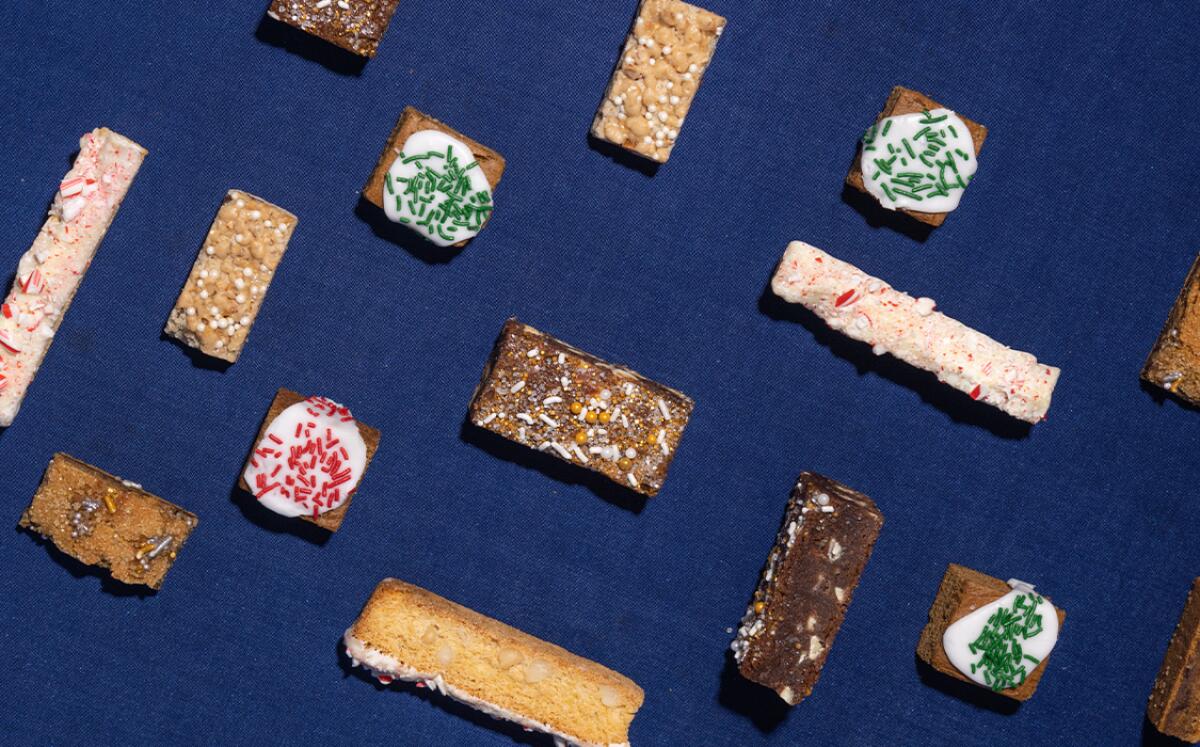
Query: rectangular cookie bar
x,y
1174,363
866,308
1001,645
660,68
806,586
229,280
1174,706
49,273
301,466
545,394
354,25
104,521
907,101
410,634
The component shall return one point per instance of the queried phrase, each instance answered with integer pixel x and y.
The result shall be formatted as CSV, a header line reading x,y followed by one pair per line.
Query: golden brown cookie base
x,y
1174,706
1174,363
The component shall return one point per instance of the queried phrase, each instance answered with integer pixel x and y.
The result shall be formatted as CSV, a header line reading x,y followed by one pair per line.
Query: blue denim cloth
x,y
1071,243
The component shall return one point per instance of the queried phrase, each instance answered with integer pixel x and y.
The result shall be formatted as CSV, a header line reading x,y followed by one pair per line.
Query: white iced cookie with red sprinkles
x,y
868,309
309,460
50,272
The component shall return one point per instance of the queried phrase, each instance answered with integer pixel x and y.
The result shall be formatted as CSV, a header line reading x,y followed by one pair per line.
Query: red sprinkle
x,y
976,392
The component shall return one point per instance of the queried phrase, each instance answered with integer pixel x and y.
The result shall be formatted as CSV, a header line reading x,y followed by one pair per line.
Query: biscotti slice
x,y
309,458
410,634
1174,706
806,586
930,161
990,633
1174,363
108,522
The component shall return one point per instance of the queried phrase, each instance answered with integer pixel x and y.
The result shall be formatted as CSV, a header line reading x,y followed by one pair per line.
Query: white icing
x,y
470,197
380,663
313,479
941,185
963,632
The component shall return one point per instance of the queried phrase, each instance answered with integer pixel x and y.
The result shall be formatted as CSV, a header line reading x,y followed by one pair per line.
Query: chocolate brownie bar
x,y
1174,706
354,25
1174,363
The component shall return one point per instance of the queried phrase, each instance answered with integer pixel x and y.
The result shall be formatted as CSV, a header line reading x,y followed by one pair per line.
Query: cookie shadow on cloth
x,y
552,467
277,523
978,696
1162,396
452,707
765,709
958,406
877,216
406,238
644,166
199,360
1152,737
291,39
78,569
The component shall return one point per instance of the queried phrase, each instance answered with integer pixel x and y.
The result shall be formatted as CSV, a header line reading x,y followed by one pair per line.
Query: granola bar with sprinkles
x,y
545,394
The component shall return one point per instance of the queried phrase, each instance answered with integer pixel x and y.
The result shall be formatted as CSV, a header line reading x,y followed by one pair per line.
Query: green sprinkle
x,y
907,147
887,126
953,131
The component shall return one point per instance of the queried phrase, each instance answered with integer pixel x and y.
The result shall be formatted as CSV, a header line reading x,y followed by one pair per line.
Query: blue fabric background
x,y
1071,243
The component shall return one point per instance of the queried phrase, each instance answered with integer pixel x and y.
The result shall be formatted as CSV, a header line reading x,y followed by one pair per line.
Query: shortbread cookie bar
x,y
545,394
1174,363
104,521
918,157
660,68
868,309
49,274
991,633
407,633
309,459
354,25
434,180
1174,706
229,280
806,586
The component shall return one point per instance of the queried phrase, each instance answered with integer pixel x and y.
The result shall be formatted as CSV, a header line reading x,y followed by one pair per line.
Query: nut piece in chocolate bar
x,y
309,459
918,157
356,26
989,632
104,521
542,393
1174,707
806,586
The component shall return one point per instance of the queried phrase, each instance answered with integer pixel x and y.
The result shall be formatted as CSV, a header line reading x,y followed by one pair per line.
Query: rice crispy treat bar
x,y
354,25
306,467
823,545
1174,363
407,633
657,76
108,522
545,394
229,280
866,308
907,101
1174,706
49,273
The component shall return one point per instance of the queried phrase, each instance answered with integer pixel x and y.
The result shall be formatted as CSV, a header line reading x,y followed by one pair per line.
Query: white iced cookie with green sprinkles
x,y
921,161
436,188
1001,643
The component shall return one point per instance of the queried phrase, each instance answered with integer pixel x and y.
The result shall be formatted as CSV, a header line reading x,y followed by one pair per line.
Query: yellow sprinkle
x,y
605,417
109,503
581,437
576,408
143,550
591,417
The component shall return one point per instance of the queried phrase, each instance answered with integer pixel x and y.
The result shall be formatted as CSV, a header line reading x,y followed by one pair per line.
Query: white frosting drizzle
x,y
941,152
966,630
435,187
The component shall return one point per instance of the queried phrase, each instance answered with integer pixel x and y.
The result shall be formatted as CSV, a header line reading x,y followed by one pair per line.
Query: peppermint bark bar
x,y
108,522
545,394
354,25
806,586
990,633
309,458
409,634
434,180
1174,706
923,157
657,76
49,273
229,280
866,308
1174,363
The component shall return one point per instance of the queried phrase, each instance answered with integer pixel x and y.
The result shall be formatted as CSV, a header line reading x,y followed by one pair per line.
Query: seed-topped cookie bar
x,y
657,76
354,25
229,280
108,522
545,394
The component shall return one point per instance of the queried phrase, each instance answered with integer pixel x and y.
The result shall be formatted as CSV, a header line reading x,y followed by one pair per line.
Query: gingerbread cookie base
x,y
1174,363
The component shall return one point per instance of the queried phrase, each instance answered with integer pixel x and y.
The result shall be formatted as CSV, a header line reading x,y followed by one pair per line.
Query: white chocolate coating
x,y
50,272
866,308
399,209
942,186
962,632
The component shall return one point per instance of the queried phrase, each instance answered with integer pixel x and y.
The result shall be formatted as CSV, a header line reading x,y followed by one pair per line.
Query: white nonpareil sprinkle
x,y
579,452
562,358
532,353
565,382
632,480
543,446
628,388
822,499
624,421
662,440
551,401
561,450
324,4
827,509
521,433
517,387
548,420
662,407
489,418
631,453
526,417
